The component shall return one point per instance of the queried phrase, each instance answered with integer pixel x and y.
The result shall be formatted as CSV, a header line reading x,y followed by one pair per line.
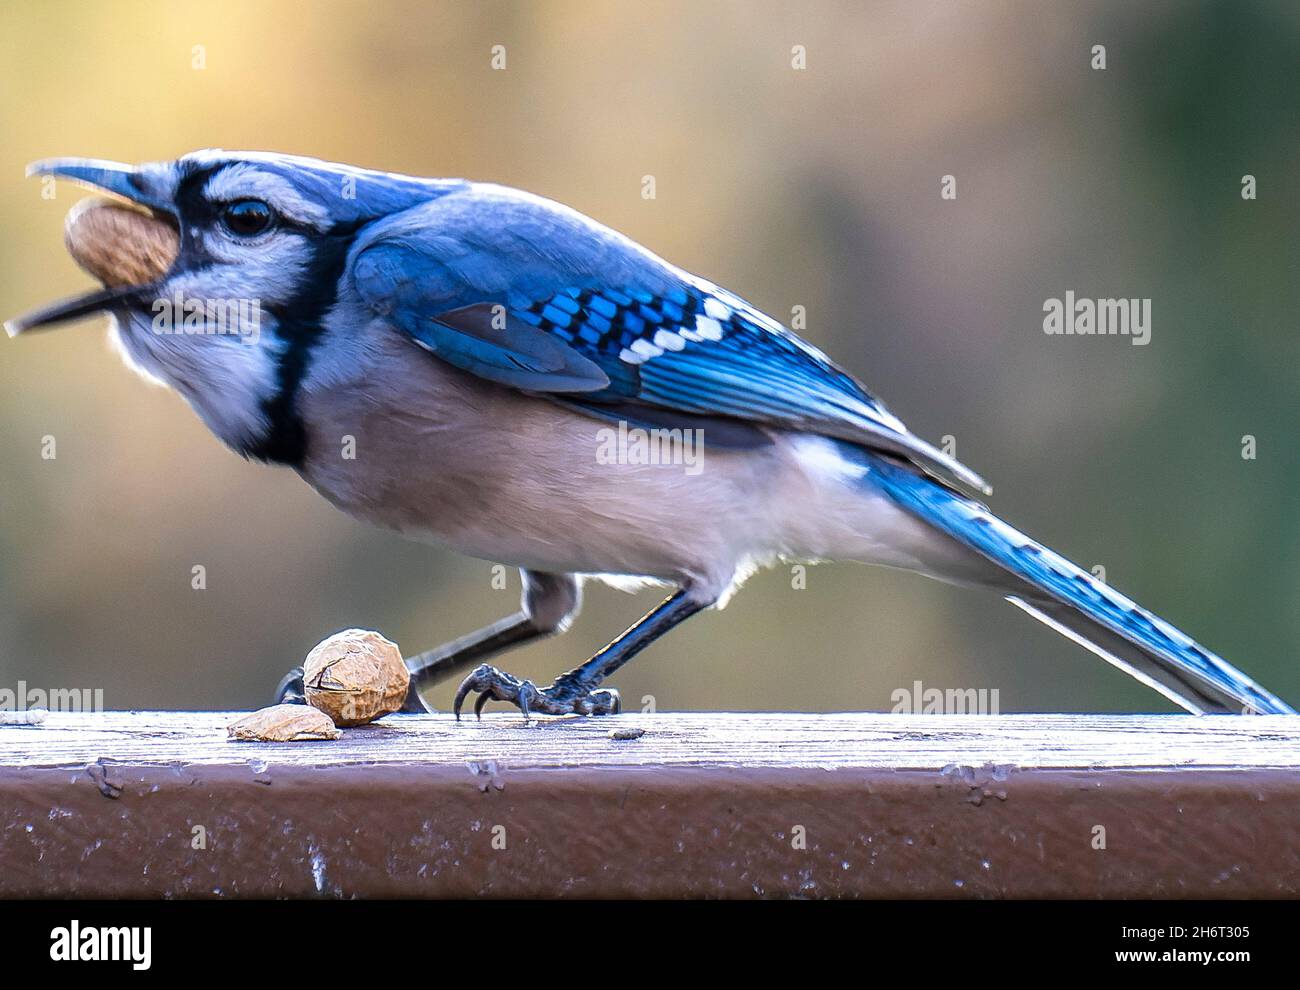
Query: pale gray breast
x,y
410,443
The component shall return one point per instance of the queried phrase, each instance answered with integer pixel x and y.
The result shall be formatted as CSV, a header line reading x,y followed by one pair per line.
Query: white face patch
x,y
224,378
268,271
247,181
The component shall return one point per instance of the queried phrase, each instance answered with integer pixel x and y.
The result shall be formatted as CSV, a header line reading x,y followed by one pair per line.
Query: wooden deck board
x,y
828,741
700,805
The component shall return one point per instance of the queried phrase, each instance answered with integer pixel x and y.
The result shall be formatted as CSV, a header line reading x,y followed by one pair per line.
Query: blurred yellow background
x,y
818,188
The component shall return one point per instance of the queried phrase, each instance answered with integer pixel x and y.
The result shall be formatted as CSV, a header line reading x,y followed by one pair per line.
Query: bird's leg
x,y
574,692
436,665
547,606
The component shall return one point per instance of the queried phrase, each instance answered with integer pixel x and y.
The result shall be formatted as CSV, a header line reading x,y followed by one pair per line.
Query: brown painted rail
x,y
726,805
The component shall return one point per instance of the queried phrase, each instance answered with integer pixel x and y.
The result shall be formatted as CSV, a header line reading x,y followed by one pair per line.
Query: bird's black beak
x,y
126,181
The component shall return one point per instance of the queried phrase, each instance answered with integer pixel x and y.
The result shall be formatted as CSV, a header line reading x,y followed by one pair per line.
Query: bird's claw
x,y
567,696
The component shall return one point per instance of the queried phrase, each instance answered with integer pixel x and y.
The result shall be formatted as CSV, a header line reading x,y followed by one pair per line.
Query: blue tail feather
x,y
1075,603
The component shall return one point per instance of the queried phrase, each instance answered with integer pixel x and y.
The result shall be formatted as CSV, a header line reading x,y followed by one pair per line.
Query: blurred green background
x,y
817,188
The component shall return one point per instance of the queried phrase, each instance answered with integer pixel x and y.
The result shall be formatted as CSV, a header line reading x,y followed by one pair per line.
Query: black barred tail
x,y
1076,604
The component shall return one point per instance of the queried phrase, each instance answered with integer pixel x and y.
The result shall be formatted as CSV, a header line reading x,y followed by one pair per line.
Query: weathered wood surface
x,y
738,739
727,805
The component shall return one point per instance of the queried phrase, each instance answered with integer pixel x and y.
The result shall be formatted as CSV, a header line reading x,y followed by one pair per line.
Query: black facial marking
x,y
298,327
194,211
298,320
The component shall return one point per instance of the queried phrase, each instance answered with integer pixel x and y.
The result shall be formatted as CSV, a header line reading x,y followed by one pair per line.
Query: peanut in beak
x,y
119,245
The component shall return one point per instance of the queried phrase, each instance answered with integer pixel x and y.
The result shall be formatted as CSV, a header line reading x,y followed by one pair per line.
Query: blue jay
x,y
476,344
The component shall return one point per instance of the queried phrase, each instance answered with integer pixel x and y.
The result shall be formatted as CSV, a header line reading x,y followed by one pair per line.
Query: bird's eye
x,y
247,218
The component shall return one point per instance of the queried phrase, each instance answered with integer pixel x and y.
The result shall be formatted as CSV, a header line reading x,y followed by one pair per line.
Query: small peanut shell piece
x,y
355,677
283,723
117,244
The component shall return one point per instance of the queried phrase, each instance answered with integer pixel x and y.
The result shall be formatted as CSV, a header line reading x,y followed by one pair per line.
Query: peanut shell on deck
x,y
283,723
355,677
119,245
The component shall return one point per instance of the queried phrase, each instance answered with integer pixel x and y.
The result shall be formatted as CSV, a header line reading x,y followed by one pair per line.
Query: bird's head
x,y
261,243
251,224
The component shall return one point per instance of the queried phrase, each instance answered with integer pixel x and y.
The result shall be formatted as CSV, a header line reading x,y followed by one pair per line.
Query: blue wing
x,y
601,324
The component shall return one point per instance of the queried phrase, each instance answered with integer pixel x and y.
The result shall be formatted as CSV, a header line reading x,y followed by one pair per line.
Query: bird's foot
x,y
569,695
291,690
